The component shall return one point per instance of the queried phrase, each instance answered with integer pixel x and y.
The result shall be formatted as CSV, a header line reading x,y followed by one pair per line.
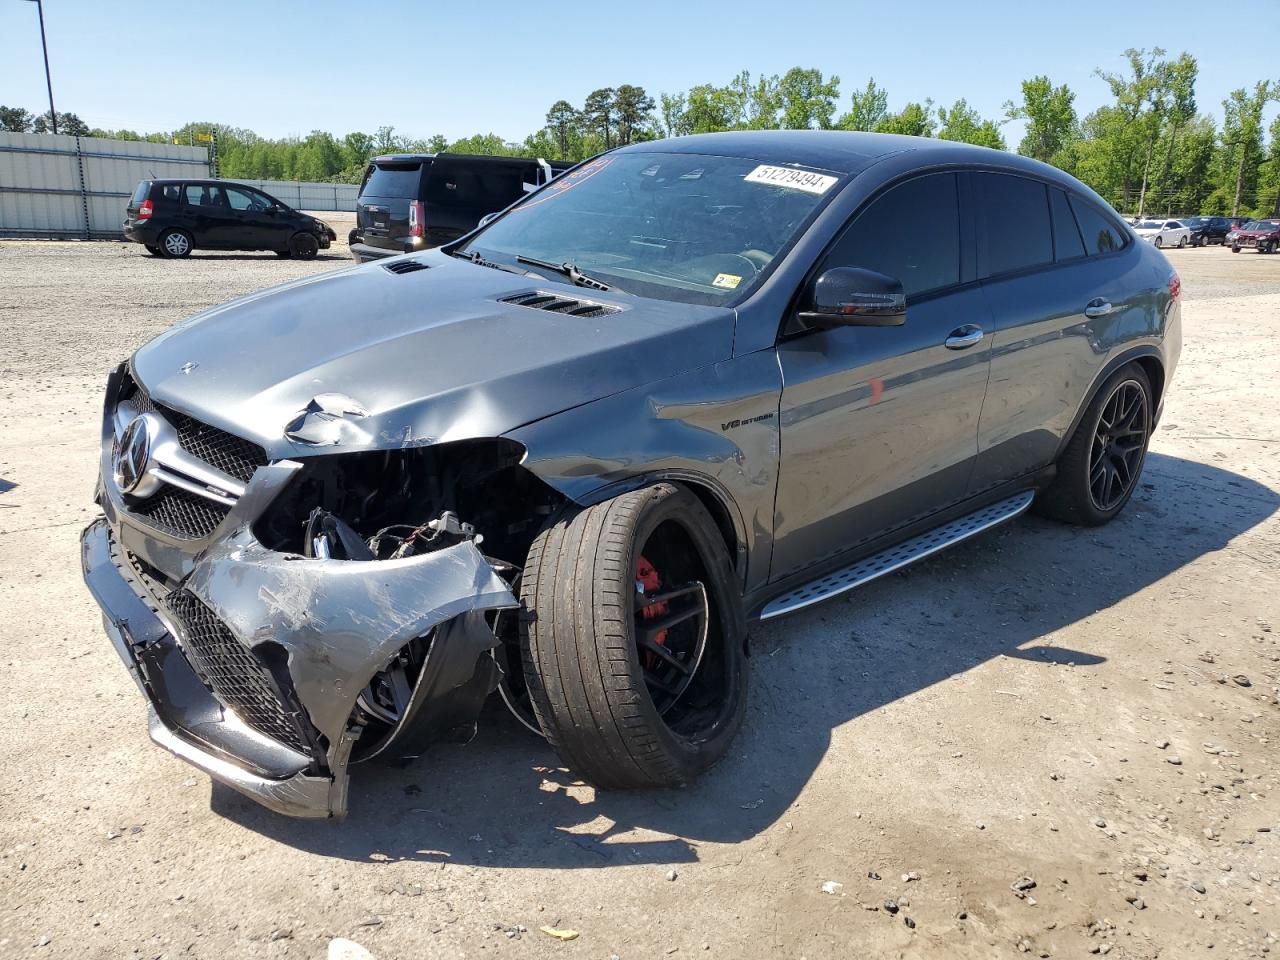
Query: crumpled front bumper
x,y
331,625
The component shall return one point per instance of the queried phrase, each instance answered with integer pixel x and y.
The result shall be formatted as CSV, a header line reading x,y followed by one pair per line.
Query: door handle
x,y
1097,308
962,337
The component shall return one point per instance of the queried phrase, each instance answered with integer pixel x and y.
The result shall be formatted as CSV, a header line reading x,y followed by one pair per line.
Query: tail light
x,y
1175,287
417,219
146,209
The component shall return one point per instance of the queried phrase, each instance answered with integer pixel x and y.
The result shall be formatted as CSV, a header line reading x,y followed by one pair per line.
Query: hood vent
x,y
406,266
566,305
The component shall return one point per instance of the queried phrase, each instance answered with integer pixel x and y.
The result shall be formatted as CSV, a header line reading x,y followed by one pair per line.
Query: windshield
x,y
1150,225
1195,221
686,227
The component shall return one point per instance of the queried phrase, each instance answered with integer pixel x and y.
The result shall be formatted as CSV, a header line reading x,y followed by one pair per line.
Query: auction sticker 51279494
x,y
792,177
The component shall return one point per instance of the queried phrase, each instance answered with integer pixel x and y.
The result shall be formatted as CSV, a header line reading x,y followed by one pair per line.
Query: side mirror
x,y
854,297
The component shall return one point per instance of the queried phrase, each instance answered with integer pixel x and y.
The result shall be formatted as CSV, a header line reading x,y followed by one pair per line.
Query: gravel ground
x,y
1094,710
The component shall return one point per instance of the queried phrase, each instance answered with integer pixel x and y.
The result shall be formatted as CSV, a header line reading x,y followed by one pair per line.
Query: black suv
x,y
173,217
412,201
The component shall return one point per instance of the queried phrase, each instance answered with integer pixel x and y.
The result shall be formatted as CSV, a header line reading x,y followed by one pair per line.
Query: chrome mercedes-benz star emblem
x,y
131,455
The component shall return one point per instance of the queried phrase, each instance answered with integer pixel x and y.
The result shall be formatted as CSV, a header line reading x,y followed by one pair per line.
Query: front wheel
x,y
1235,249
1159,242
633,639
1182,242
175,244
303,246
154,250
1099,470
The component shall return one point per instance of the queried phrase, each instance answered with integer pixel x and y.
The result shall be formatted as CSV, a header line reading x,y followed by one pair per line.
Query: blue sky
x,y
284,68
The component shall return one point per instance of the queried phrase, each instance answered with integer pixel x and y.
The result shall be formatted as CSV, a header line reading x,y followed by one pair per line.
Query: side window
x,y
202,195
1100,234
246,199
1014,215
171,191
1067,244
911,233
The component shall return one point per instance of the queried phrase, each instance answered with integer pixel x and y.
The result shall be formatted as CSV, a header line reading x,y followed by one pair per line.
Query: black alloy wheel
x,y
1119,445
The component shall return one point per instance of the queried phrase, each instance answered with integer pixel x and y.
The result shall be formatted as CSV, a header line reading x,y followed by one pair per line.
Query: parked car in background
x,y
1207,230
413,201
690,384
1163,233
1260,235
173,217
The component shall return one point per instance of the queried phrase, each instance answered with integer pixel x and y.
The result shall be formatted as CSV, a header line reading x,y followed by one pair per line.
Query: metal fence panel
x,y
77,187
302,195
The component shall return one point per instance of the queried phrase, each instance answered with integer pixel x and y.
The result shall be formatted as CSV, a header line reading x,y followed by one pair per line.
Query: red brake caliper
x,y
648,578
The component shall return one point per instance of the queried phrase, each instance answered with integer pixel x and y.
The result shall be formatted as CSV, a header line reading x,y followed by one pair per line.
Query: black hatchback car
x,y
173,217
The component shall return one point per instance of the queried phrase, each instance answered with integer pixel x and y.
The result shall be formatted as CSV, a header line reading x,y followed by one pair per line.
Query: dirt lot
x,y
1094,710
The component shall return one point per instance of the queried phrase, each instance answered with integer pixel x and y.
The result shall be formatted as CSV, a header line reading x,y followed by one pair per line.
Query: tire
x,y
580,629
1235,249
303,246
154,250
1075,495
1182,242
174,244
1159,243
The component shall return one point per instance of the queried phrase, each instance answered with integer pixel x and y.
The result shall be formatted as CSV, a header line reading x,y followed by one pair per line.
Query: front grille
x,y
234,456
240,681
180,513
566,305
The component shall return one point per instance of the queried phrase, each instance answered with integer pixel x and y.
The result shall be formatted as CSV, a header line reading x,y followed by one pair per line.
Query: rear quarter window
x,y
1101,235
393,180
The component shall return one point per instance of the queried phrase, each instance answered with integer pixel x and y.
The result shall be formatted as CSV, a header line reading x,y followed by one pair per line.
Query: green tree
x,y
962,123
632,107
562,121
15,120
674,120
710,109
755,102
1242,140
868,107
599,113
68,124
913,120
1050,115
806,99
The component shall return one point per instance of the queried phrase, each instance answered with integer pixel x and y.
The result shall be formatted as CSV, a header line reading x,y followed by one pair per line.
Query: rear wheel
x,y
633,640
1099,470
303,246
175,244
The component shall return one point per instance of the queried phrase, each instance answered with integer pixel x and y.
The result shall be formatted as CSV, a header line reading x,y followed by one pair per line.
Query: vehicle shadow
x,y
504,800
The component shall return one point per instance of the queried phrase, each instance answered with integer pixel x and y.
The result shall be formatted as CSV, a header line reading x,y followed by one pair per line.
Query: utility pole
x,y
48,77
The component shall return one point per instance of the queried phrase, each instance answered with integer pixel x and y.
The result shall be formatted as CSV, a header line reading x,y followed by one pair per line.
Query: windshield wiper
x,y
568,269
474,256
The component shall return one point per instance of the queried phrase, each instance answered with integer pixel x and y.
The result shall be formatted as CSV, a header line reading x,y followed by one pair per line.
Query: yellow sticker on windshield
x,y
726,280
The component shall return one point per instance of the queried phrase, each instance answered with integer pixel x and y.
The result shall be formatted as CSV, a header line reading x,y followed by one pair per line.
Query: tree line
x,y
1149,149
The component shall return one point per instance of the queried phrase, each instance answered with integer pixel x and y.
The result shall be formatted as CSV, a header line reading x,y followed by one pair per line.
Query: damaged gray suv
x,y
569,458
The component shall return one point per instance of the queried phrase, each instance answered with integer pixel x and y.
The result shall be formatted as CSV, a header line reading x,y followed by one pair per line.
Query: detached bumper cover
x,y
337,623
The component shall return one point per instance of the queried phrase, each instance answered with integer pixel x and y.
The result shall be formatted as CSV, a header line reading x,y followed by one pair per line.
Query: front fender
x,y
714,428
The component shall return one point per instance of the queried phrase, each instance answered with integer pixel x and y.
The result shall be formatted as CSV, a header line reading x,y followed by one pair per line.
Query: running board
x,y
894,558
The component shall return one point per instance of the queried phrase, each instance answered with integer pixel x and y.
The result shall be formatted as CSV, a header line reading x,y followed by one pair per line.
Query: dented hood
x,y
414,358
